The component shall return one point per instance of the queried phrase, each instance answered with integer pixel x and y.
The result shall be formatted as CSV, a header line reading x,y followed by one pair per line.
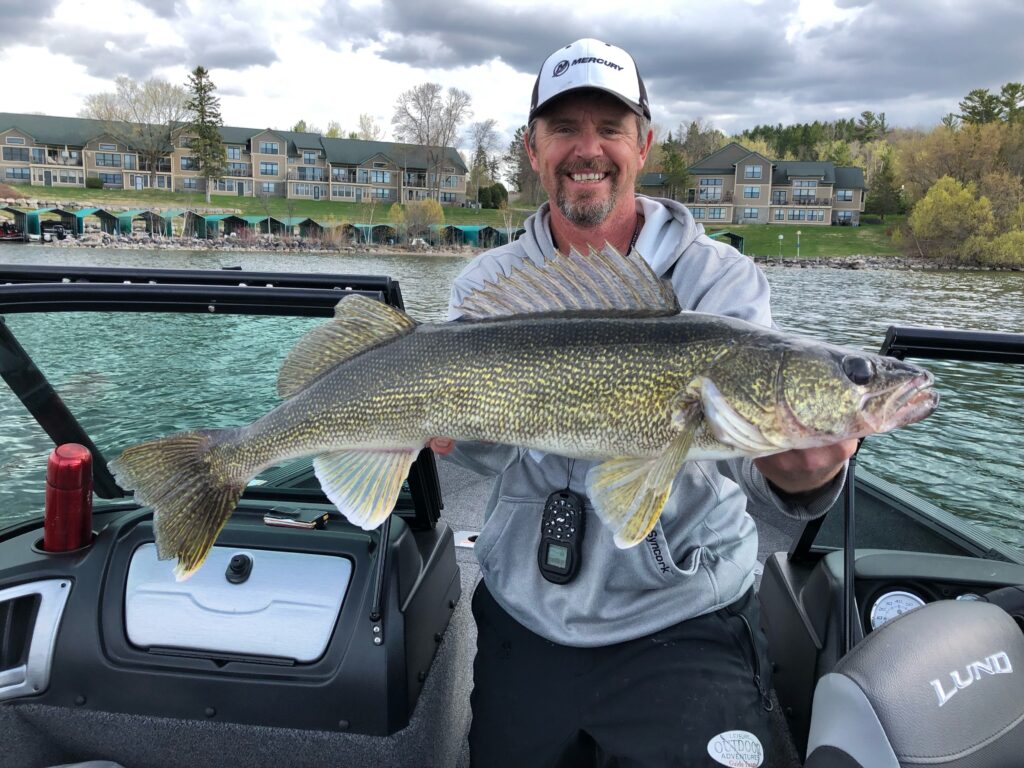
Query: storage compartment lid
x,y
286,608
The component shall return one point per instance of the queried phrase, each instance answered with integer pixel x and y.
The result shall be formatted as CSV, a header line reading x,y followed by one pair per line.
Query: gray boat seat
x,y
940,686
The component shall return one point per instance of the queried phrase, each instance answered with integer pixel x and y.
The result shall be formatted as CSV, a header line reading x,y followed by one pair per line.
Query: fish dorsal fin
x,y
359,324
603,281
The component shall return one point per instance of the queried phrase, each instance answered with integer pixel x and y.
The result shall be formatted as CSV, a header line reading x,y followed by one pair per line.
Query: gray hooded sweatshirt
x,y
700,556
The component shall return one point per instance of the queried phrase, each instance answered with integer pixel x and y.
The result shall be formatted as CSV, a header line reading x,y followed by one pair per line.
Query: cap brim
x,y
633,106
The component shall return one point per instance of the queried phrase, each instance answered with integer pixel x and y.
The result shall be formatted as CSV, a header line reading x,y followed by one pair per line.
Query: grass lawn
x,y
322,210
815,241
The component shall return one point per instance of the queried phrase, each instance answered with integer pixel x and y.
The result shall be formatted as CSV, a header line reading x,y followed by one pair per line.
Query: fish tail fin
x,y
190,487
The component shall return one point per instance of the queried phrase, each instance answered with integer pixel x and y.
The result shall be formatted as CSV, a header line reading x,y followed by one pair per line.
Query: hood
x,y
668,229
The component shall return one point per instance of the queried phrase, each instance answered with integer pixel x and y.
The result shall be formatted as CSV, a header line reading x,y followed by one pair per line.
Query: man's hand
x,y
804,470
441,445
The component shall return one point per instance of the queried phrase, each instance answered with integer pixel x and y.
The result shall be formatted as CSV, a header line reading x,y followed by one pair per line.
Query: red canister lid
x,y
69,467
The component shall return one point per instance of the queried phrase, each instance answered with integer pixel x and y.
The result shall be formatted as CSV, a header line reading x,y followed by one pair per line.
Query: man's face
x,y
587,155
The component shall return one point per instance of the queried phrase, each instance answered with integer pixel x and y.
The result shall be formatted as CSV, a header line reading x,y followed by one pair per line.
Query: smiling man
x,y
652,655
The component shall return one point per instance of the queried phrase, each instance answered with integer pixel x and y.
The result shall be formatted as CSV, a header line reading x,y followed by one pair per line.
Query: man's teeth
x,y
587,176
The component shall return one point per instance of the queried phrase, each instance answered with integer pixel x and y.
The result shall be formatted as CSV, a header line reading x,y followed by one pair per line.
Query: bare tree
x,y
333,129
429,116
483,137
368,128
142,115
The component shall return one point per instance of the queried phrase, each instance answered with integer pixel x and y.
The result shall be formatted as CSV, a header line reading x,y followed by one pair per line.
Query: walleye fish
x,y
582,356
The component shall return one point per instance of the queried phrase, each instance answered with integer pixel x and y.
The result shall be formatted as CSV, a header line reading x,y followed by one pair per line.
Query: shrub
x,y
93,182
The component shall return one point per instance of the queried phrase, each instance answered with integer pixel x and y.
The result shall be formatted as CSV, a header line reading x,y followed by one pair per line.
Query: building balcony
x,y
820,202
315,175
343,176
239,171
63,162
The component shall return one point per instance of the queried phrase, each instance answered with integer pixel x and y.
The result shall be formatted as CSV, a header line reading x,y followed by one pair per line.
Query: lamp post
x,y
798,243
780,247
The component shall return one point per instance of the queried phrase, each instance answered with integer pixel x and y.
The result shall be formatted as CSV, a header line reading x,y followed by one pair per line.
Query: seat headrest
x,y
945,682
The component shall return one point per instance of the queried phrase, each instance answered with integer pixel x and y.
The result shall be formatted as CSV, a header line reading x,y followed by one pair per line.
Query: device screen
x,y
558,556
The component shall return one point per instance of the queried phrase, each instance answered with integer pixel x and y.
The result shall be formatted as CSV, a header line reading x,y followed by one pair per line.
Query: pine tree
x,y
980,107
884,196
207,146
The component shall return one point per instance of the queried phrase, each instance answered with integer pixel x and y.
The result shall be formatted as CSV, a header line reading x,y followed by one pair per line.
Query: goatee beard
x,y
586,212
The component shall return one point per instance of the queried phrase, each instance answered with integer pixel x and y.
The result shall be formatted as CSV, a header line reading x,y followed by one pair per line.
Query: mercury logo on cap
x,y
590,63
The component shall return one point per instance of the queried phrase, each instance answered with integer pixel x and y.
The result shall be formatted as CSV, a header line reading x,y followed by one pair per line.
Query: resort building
x,y
737,186
64,151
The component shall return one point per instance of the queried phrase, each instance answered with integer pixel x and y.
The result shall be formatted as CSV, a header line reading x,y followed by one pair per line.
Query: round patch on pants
x,y
737,749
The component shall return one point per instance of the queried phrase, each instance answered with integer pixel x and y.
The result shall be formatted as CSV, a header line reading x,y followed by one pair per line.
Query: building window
x,y
129,162
752,172
268,169
447,197
844,195
815,215
779,198
340,191
697,213
237,169
19,174
380,165
185,142
309,157
190,183
269,148
16,154
108,160
380,177
381,193
38,155
751,192
716,213
163,182
111,179
710,189
14,140
780,214
234,153
750,213
844,217
189,164
108,147
796,214
268,187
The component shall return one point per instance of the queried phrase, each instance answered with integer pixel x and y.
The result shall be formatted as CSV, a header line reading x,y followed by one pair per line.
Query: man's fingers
x,y
441,445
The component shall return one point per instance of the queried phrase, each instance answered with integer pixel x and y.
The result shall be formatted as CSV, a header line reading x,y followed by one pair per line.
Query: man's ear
x,y
646,148
529,151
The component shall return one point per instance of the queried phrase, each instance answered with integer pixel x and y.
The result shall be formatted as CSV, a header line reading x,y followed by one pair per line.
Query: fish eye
x,y
858,369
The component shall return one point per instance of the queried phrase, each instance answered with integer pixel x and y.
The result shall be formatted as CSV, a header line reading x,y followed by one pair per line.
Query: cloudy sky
x,y
735,63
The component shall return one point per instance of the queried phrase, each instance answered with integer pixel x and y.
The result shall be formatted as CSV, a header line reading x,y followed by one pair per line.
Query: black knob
x,y
239,569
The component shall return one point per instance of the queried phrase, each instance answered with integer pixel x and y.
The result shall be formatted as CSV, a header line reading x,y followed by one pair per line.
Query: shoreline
x,y
268,244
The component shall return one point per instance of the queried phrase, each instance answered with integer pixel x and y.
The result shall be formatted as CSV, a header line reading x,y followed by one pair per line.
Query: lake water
x,y
968,458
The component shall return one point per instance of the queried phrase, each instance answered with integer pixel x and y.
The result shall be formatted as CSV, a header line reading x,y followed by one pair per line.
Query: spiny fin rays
x,y
190,490
359,324
603,281
629,494
364,485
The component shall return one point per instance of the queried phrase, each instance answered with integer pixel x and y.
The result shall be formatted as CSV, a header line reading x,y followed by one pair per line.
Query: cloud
x,y
110,55
164,9
238,49
24,23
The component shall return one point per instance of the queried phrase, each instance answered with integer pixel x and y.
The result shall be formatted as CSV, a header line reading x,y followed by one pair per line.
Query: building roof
x,y
850,178
724,161
78,131
652,179
824,171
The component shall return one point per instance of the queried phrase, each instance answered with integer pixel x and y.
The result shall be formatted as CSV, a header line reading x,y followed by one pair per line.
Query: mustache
x,y
587,166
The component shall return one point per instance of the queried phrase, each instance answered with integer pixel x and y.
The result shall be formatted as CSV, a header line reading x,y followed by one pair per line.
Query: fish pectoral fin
x,y
728,425
628,494
364,485
359,324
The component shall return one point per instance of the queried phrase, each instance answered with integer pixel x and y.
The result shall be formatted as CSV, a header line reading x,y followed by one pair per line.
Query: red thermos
x,y
67,524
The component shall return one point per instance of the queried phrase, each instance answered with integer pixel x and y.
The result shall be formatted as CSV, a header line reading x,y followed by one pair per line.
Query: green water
x,y
127,379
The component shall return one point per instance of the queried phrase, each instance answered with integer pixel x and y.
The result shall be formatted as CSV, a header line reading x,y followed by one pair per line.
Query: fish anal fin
x,y
364,485
359,324
629,494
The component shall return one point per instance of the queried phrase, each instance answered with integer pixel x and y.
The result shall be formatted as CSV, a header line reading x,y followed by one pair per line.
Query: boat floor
x,y
37,735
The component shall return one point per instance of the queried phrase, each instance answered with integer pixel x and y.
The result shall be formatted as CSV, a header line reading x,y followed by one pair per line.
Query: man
x,y
652,655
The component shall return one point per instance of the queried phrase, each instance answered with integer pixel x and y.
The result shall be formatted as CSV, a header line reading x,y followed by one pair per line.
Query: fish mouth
x,y
910,402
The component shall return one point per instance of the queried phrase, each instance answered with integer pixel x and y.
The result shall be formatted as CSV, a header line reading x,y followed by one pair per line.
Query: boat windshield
x,y
133,376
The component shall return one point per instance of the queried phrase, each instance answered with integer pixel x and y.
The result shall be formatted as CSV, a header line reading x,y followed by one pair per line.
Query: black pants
x,y
674,698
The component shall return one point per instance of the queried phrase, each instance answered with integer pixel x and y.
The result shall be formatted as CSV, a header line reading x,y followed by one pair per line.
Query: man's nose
x,y
588,144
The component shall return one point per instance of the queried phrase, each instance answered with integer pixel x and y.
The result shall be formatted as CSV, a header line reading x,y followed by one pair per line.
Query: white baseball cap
x,y
590,63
